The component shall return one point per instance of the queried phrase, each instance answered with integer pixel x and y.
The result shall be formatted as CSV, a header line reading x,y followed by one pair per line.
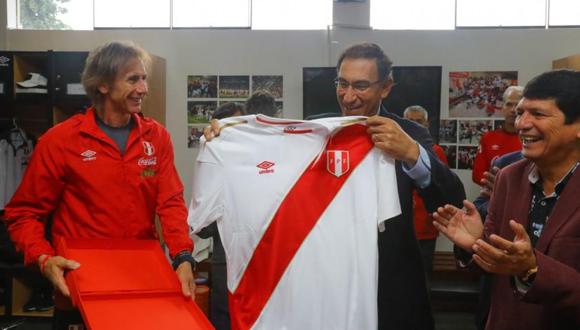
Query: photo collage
x,y
205,93
475,103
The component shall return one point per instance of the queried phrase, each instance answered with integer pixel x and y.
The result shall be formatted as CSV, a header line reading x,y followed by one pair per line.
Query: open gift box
x,y
127,284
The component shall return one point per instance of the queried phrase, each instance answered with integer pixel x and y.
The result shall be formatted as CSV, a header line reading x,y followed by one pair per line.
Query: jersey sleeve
x,y
388,195
207,190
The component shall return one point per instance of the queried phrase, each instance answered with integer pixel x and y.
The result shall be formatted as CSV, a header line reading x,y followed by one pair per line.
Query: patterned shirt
x,y
542,205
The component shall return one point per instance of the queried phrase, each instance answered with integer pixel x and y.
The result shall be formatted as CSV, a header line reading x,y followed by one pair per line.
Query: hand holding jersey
x,y
212,130
388,136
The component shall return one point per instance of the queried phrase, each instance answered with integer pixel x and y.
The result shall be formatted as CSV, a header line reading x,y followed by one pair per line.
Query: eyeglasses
x,y
359,86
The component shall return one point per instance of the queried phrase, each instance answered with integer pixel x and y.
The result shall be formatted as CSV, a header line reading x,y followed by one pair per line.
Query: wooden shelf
x,y
570,62
20,295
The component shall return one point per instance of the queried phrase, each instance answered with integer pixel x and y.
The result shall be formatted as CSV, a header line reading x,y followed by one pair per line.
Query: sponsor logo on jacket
x,y
144,161
148,172
88,155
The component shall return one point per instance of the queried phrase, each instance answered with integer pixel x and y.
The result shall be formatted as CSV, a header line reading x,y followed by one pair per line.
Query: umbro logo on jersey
x,y
337,162
266,167
295,130
4,61
88,155
495,147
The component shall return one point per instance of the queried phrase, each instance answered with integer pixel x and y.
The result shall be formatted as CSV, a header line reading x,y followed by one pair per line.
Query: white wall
x,y
529,51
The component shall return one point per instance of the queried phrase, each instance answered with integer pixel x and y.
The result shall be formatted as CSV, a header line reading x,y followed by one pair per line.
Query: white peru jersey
x,y
297,204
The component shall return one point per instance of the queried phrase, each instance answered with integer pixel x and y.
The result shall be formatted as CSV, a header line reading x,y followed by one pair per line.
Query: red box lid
x,y
127,284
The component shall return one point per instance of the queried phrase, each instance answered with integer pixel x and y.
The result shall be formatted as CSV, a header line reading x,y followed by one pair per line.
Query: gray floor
x,y
454,321
443,321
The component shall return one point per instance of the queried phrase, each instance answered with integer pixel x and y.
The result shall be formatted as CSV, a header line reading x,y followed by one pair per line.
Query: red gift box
x,y
128,284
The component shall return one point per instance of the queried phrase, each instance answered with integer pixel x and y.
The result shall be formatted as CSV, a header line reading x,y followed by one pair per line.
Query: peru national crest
x,y
148,148
337,162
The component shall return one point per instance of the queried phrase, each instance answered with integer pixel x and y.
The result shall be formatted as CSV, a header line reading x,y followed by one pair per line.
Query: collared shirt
x,y
421,171
540,209
542,205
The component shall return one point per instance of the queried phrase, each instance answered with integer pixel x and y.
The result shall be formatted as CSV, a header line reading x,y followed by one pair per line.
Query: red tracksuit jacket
x,y
493,144
424,228
78,175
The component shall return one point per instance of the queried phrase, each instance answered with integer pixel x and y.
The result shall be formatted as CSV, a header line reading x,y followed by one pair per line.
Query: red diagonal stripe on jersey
x,y
293,221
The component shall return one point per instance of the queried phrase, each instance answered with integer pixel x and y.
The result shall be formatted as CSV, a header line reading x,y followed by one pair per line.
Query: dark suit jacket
x,y
553,300
403,299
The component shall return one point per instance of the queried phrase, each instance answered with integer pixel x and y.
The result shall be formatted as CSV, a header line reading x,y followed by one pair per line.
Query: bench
x,y
453,288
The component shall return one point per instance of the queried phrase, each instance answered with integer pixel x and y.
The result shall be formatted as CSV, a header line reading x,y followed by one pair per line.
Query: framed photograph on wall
x,y
451,154
194,133
466,157
478,93
448,131
200,112
201,86
270,84
205,93
471,131
234,87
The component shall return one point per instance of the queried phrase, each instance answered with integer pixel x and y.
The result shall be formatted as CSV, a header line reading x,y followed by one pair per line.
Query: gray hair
x,y
517,89
105,62
416,108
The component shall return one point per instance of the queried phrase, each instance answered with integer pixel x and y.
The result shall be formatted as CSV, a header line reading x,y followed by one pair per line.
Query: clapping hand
x,y
501,256
462,227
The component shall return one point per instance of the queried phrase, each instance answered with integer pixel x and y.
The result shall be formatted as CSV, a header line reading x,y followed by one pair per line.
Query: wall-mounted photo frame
x,y
271,84
234,87
478,93
201,86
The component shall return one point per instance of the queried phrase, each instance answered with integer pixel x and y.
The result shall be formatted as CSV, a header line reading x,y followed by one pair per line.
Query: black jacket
x,y
403,299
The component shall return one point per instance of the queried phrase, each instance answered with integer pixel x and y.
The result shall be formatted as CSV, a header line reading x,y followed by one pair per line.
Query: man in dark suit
x,y
363,80
530,239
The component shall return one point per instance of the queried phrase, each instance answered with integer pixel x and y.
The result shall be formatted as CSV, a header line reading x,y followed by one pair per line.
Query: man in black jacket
x,y
363,80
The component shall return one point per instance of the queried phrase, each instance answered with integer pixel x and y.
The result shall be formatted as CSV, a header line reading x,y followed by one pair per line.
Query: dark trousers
x,y
485,284
427,250
218,306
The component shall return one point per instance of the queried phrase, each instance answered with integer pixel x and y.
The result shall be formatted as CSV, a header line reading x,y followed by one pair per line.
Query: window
x,y
413,14
501,13
287,15
79,14
50,14
132,13
564,13
291,15
211,13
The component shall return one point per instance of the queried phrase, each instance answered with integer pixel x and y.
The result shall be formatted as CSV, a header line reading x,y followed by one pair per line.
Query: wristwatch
x,y
530,276
181,257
